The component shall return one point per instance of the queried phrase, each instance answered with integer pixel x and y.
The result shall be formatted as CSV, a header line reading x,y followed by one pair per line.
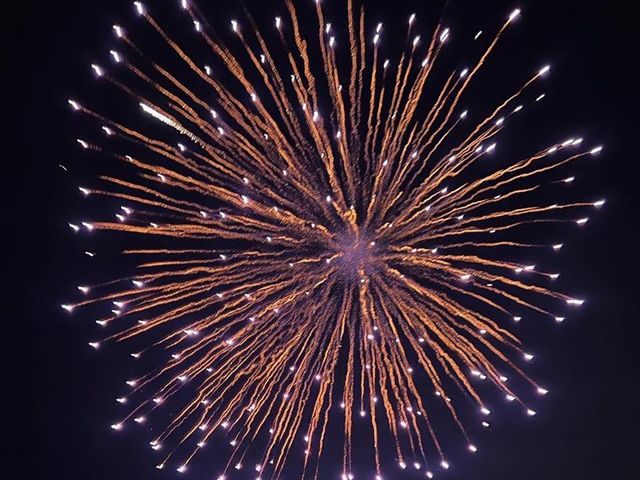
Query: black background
x,y
61,395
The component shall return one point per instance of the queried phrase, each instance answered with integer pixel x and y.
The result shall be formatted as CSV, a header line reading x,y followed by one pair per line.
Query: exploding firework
x,y
328,255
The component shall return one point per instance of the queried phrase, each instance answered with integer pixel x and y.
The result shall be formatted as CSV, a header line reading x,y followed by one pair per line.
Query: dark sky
x,y
61,395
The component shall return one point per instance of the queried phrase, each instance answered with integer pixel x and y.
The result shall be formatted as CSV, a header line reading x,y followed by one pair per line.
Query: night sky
x,y
61,394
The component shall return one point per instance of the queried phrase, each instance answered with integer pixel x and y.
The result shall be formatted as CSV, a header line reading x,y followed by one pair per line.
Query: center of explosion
x,y
355,254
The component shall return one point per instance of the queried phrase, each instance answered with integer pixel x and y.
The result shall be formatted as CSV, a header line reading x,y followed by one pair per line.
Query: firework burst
x,y
329,253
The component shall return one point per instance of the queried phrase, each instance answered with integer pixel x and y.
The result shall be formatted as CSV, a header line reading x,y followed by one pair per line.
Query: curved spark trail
x,y
331,253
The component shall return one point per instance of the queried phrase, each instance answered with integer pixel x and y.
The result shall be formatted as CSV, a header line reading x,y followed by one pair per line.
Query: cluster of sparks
x,y
356,271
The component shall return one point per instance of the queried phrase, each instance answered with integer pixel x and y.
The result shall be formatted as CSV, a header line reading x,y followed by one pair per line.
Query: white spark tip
x,y
139,8
544,70
514,14
444,35
96,68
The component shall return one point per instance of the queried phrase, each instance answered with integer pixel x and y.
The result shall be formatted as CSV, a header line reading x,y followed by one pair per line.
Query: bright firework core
x,y
357,254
